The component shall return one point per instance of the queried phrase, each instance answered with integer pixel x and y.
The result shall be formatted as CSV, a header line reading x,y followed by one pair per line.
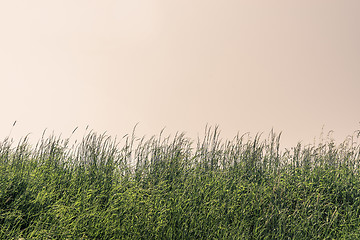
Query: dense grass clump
x,y
173,188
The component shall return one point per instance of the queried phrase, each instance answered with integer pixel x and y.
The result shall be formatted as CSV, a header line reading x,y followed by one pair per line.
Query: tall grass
x,y
175,188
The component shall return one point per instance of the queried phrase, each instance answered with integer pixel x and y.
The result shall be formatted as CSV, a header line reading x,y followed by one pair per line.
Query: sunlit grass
x,y
174,188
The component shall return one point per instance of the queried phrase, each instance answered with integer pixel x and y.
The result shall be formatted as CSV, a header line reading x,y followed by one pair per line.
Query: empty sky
x,y
247,66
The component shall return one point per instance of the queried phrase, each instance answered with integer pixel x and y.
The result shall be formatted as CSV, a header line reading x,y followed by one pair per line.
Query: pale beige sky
x,y
247,66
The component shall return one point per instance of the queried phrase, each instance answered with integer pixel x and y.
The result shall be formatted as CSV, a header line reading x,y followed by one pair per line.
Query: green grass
x,y
173,188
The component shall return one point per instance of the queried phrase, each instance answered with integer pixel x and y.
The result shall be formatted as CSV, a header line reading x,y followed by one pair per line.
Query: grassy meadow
x,y
178,188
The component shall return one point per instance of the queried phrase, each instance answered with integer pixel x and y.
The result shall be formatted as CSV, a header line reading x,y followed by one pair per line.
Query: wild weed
x,y
165,188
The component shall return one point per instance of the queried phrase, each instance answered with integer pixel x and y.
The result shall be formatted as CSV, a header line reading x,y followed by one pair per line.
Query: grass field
x,y
176,188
